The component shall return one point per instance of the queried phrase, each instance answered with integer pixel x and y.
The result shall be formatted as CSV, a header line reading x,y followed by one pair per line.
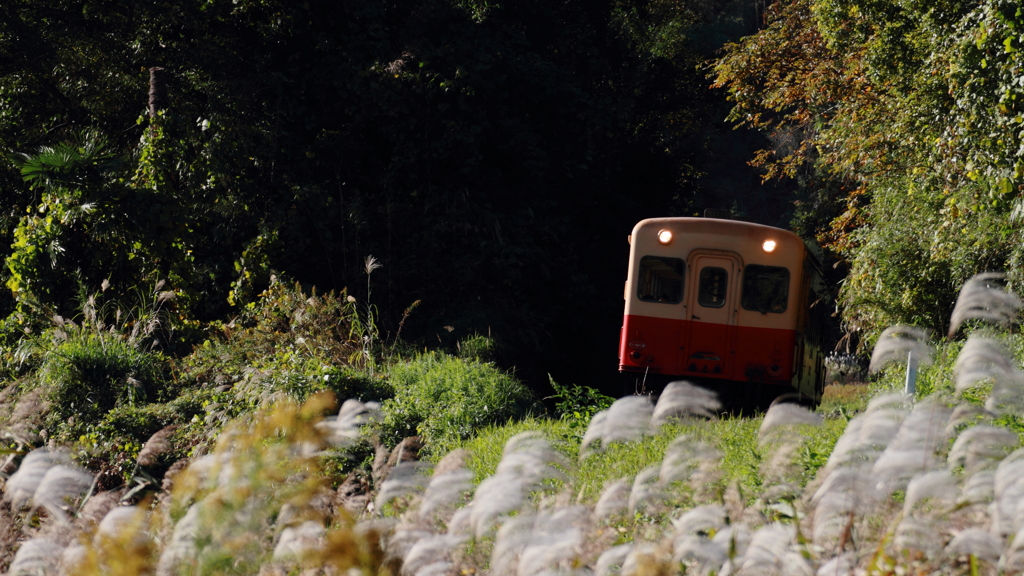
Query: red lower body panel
x,y
687,348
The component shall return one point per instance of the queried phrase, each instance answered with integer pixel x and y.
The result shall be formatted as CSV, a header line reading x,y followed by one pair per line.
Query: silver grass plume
x,y
977,542
786,415
405,479
848,490
841,565
681,400
914,448
647,491
614,500
530,456
72,558
781,435
444,491
965,414
22,485
555,541
181,549
937,486
1012,559
36,556
982,359
296,542
527,461
432,551
610,562
734,539
120,520
770,552
896,342
690,543
868,434
345,428
979,487
980,447
1008,489
527,545
60,486
986,360
436,569
403,539
847,494
628,419
707,556
984,297
706,518
497,495
690,460
461,521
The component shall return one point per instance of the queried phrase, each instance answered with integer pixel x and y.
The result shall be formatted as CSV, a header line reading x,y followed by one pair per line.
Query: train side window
x,y
661,279
712,286
765,289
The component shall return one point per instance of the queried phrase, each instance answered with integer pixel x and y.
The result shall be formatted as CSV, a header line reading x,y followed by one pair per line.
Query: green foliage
x,y
577,404
907,113
446,400
299,137
909,264
287,343
140,422
91,373
477,347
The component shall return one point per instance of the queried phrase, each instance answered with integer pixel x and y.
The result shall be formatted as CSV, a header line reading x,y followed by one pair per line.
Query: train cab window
x,y
661,279
765,289
712,286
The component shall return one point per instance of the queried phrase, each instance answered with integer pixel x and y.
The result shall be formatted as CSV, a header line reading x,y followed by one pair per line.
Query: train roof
x,y
713,226
748,233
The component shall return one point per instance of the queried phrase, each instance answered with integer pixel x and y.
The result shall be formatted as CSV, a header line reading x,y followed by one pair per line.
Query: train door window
x,y
765,289
712,286
661,279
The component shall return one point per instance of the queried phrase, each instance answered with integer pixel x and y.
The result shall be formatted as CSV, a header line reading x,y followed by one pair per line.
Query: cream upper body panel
x,y
741,240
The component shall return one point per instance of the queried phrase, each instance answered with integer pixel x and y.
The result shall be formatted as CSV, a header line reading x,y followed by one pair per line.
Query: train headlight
x,y
664,236
768,246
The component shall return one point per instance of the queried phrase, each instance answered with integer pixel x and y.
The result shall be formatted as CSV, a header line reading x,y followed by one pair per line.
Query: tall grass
x,y
909,485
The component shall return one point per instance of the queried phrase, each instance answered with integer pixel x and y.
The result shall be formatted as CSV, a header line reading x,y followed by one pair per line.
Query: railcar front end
x,y
722,301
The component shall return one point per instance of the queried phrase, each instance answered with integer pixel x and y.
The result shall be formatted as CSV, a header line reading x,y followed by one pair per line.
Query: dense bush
x,y
91,373
446,399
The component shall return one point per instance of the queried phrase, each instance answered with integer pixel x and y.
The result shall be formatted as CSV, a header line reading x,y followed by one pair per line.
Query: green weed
x,y
91,373
446,400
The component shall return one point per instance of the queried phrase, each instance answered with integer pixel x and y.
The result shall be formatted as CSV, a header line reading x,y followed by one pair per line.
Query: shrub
x,y
578,404
90,373
141,422
446,399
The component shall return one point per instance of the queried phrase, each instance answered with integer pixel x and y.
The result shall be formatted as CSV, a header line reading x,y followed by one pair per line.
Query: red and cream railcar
x,y
719,301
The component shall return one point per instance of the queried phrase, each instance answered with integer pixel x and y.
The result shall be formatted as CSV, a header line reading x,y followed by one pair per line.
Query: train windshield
x,y
765,289
661,279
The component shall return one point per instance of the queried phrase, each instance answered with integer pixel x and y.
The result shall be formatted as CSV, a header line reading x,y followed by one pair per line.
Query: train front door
x,y
713,296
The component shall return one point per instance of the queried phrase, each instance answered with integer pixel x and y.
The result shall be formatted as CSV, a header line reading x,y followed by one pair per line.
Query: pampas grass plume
x,y
628,419
896,342
682,400
984,297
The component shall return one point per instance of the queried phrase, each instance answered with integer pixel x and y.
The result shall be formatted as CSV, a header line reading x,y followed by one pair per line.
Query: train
x,y
734,306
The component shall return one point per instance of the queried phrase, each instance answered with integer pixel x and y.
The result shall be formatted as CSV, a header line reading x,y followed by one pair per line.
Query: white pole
x,y
911,387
